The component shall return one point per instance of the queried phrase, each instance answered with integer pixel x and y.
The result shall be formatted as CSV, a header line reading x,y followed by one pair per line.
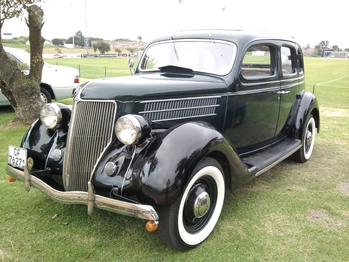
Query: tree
x,y
118,50
58,41
322,47
23,91
131,50
102,46
336,48
16,40
78,39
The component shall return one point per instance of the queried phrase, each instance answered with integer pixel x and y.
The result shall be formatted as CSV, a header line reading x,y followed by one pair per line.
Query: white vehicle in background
x,y
57,82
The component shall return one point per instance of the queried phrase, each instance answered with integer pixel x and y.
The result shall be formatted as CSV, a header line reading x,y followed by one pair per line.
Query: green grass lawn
x,y
294,212
91,68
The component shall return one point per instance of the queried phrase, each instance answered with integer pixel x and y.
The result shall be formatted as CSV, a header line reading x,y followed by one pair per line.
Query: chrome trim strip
x,y
85,198
180,99
257,91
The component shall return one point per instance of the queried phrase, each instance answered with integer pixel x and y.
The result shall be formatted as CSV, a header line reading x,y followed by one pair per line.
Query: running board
x,y
266,159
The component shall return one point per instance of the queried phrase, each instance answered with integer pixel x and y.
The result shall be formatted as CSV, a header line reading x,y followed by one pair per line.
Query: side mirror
x,y
131,63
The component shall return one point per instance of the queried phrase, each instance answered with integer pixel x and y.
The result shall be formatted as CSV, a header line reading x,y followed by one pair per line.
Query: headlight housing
x,y
132,129
51,116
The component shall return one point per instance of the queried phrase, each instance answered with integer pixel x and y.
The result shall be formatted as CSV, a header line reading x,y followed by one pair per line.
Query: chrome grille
x,y
90,132
172,109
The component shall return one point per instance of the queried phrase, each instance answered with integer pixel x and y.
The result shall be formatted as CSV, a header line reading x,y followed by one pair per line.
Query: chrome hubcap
x,y
202,204
197,204
308,138
43,98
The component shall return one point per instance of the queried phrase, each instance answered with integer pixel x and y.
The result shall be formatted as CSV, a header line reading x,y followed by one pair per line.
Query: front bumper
x,y
86,198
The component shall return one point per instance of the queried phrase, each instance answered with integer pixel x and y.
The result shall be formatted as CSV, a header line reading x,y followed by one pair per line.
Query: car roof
x,y
19,53
236,36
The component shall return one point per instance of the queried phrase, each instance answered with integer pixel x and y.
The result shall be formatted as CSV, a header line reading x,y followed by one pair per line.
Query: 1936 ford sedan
x,y
206,111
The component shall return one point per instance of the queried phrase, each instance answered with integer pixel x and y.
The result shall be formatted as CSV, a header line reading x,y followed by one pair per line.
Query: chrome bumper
x,y
86,198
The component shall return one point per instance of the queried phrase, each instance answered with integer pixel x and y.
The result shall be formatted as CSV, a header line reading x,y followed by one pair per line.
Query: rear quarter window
x,y
288,60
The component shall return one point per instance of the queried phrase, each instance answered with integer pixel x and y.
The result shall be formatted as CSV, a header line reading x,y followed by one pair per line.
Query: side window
x,y
288,60
258,62
20,64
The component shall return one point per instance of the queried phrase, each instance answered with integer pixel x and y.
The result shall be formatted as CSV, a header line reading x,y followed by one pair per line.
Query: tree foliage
x,y
77,40
336,48
58,41
16,40
23,90
122,40
322,47
13,9
131,49
102,46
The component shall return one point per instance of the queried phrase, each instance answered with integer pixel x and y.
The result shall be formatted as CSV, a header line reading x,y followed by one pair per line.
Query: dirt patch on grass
x,y
324,218
13,124
4,256
343,187
334,112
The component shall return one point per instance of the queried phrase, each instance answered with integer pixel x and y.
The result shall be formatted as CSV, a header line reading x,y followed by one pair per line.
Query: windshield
x,y
215,57
21,58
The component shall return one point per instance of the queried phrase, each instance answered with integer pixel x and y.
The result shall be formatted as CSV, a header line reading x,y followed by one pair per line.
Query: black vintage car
x,y
206,111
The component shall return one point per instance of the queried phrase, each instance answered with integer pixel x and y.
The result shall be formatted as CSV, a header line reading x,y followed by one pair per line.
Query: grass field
x,y
90,68
294,212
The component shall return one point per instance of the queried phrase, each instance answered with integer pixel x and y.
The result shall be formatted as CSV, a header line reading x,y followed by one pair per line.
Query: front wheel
x,y
308,141
45,96
190,220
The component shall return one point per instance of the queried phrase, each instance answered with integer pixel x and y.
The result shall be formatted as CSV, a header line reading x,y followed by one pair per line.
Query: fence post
x,y
105,71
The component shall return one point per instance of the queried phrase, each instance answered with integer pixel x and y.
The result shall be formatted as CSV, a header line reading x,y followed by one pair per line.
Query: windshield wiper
x,y
174,48
213,42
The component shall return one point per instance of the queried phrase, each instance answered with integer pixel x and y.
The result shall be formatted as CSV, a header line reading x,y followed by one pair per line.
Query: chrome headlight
x,y
51,116
131,129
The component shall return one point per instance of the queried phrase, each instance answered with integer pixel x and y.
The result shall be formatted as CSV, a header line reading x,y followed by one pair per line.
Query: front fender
x,y
38,142
41,142
163,171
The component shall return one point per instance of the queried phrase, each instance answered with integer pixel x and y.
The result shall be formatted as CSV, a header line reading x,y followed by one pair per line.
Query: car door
x,y
253,107
291,76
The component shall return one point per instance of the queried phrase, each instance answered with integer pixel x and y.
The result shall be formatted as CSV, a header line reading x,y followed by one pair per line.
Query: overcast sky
x,y
309,21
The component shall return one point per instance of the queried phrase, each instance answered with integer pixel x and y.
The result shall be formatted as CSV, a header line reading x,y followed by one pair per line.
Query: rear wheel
x,y
190,220
308,141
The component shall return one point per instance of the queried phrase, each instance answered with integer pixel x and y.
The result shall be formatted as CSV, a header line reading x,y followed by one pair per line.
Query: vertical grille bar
x,y
90,132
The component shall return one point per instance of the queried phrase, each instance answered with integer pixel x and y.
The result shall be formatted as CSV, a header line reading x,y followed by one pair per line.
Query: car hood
x,y
152,86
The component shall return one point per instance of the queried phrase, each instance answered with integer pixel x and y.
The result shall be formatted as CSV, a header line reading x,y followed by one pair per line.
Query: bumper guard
x,y
86,198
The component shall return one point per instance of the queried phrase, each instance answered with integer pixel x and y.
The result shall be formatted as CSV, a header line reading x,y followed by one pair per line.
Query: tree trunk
x,y
23,91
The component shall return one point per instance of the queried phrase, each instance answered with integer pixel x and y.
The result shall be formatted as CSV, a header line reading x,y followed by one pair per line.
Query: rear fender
x,y
308,105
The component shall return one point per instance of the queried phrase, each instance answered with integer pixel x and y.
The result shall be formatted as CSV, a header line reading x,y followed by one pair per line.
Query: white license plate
x,y
17,157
